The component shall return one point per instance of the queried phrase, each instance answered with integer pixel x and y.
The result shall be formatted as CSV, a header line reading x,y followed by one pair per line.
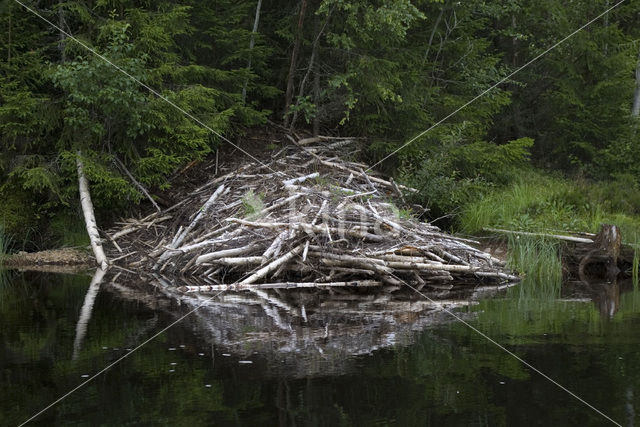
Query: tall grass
x,y
5,243
538,260
536,202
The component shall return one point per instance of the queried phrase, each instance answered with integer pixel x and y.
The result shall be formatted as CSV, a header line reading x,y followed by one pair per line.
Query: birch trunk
x,y
292,66
89,217
251,44
635,111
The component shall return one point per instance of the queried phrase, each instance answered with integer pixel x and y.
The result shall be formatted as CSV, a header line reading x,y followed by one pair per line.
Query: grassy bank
x,y
538,202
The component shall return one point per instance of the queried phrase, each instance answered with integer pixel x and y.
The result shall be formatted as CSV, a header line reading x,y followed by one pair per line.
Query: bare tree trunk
x,y
605,49
292,66
252,43
312,61
316,95
63,56
89,216
9,44
135,182
635,110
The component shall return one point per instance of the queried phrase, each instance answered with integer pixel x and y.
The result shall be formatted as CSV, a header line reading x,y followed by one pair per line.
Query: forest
x,y
117,84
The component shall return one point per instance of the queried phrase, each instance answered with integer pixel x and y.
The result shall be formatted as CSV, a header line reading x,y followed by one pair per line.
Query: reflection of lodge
x,y
310,331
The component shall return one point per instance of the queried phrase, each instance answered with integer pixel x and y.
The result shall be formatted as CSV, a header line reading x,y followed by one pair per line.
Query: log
x,y
260,274
89,216
281,285
225,253
309,228
550,236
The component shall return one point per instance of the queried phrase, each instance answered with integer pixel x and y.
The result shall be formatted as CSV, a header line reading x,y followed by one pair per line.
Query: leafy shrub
x,y
454,174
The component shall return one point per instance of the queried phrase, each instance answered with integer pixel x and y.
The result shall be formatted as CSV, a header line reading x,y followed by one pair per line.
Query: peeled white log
x,y
372,178
89,216
272,266
225,253
281,285
181,235
383,220
238,260
141,224
276,245
203,211
300,179
552,236
309,228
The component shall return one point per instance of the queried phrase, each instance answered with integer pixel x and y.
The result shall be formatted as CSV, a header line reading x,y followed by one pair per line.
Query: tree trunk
x,y
89,217
635,110
312,67
316,95
63,56
252,43
292,66
9,43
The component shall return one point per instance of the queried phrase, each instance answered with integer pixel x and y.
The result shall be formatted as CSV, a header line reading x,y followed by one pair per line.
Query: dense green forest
x,y
553,146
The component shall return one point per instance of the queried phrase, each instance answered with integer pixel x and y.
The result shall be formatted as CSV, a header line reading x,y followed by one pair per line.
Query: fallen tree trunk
x,y
89,215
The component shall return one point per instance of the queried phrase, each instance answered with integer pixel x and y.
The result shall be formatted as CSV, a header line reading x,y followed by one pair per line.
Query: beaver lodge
x,y
301,217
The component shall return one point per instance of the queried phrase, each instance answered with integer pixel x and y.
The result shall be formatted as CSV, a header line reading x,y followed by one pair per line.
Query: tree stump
x,y
605,251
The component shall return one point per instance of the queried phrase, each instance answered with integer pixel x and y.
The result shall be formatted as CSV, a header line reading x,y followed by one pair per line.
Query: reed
x,y
538,260
5,243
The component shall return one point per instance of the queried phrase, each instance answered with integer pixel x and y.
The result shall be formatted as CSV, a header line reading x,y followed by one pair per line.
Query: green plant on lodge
x,y
252,204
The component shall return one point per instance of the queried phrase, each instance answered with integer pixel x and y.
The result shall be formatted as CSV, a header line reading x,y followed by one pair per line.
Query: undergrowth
x,y
68,231
5,243
538,202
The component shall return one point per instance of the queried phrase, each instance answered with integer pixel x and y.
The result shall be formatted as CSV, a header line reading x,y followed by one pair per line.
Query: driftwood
x,y
302,217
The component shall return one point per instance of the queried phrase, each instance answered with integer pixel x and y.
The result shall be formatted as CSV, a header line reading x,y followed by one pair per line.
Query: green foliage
x,y
5,244
385,69
454,174
68,230
536,202
252,204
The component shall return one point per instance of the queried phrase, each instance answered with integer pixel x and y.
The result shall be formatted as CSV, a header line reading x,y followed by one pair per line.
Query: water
x,y
416,368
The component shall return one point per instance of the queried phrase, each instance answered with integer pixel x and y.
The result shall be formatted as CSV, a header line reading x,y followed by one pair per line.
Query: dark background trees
x,y
385,69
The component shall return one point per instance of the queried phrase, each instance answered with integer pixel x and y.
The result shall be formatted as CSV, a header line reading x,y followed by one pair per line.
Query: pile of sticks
x,y
303,217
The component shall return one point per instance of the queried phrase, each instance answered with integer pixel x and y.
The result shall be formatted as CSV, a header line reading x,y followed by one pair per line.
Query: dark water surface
x,y
404,372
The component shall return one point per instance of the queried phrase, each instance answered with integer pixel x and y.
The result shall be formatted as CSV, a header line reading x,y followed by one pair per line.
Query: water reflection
x,y
338,361
303,332
604,294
